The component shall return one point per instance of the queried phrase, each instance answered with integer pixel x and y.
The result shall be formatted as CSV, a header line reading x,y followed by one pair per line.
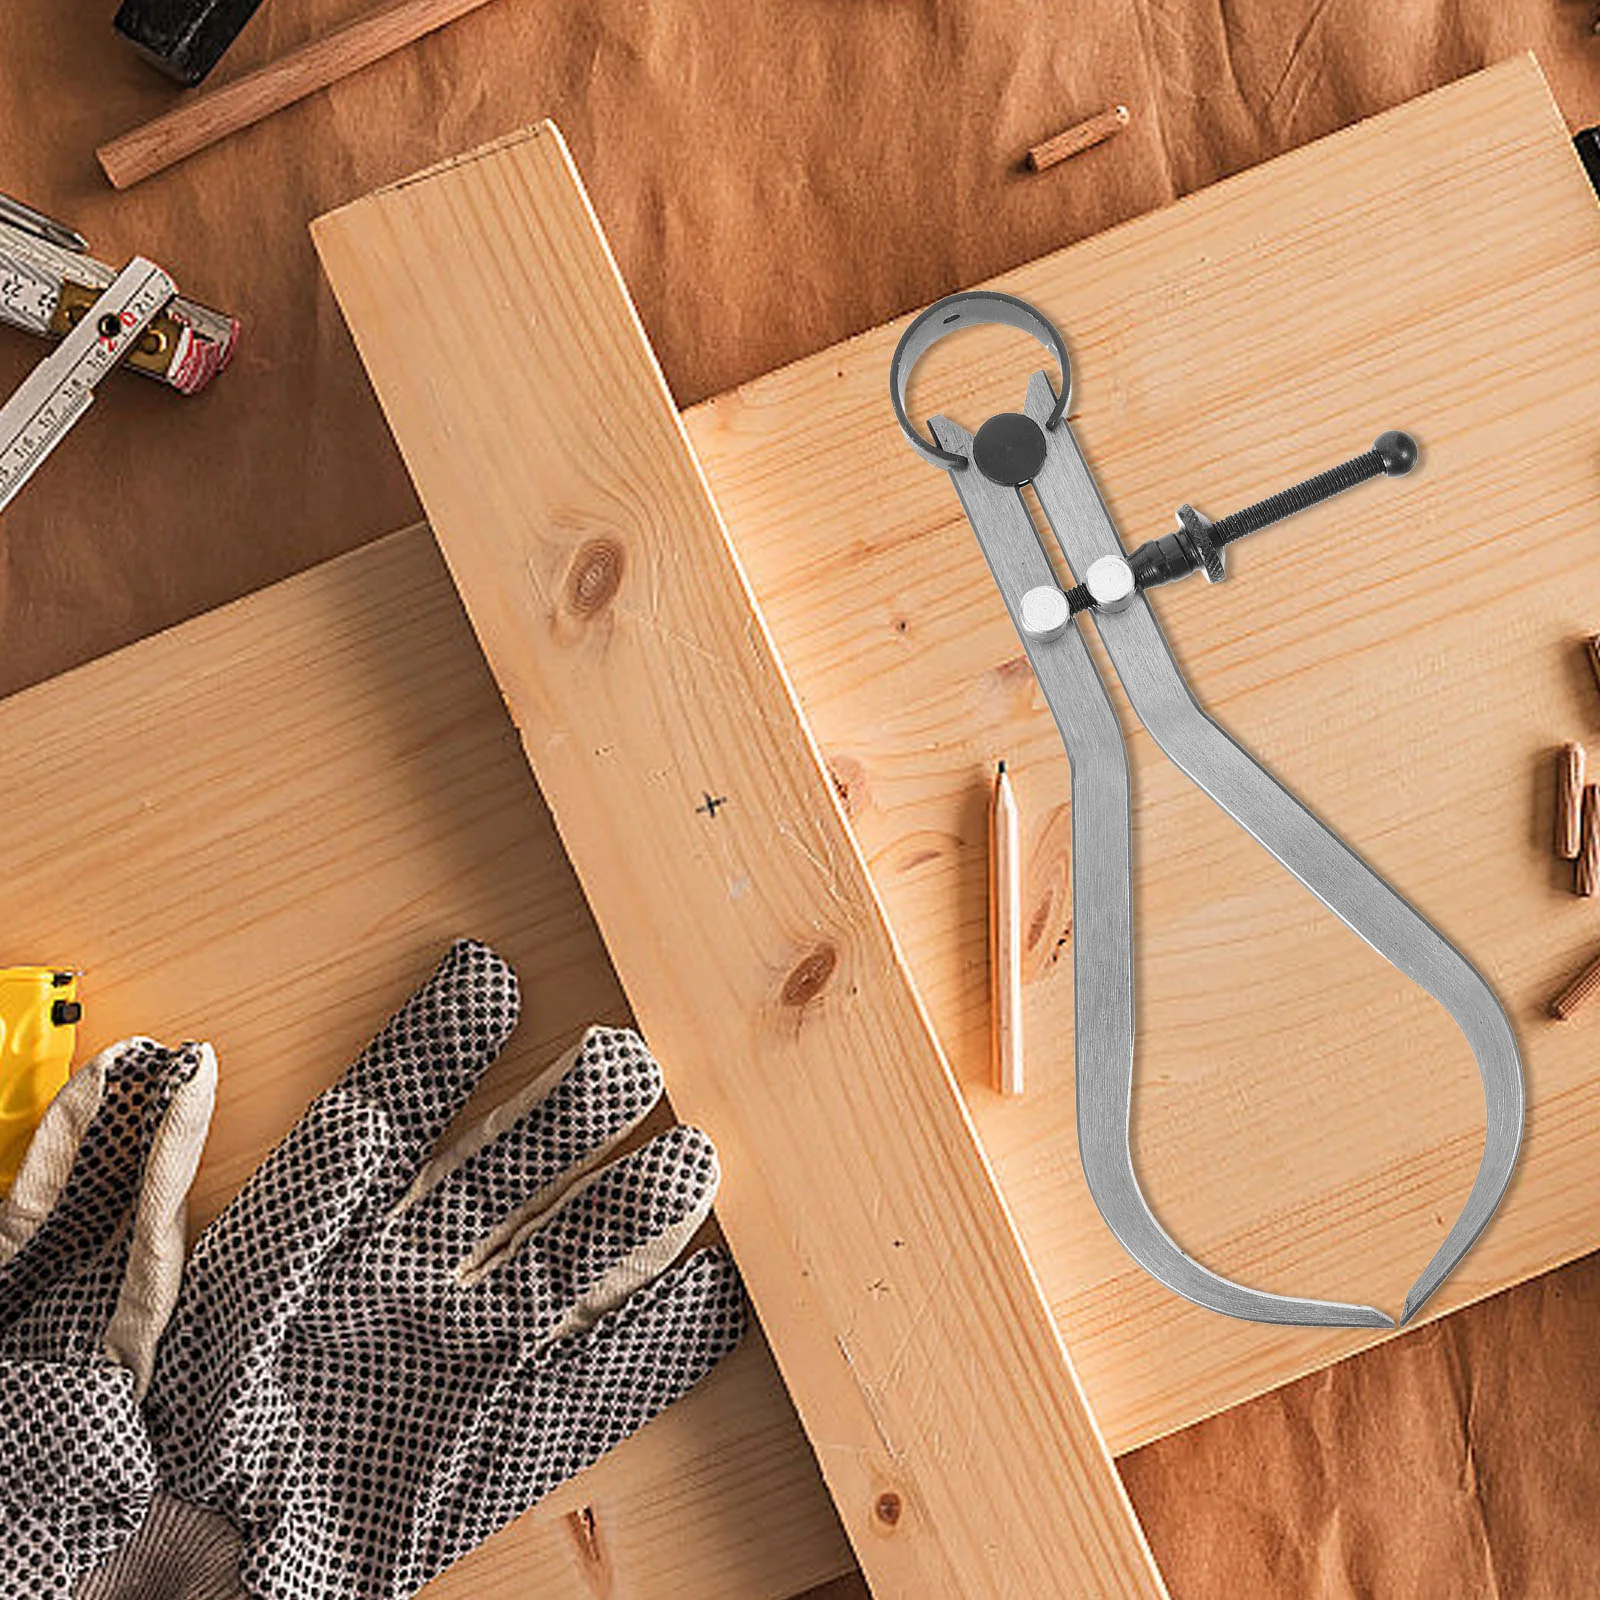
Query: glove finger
x,y
571,1117
251,1270
422,1068
153,1270
65,1218
569,1405
561,1271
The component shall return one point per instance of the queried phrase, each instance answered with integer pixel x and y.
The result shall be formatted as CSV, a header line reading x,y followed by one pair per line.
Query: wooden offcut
x,y
263,828
730,891
1305,1120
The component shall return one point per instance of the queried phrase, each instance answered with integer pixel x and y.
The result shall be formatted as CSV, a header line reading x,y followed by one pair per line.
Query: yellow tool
x,y
39,1013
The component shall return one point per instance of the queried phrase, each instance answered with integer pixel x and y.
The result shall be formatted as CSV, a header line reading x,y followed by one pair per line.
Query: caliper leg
x,y
1312,852
1102,910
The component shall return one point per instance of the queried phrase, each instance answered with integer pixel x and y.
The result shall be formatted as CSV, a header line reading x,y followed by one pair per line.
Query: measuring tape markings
x,y
60,389
45,289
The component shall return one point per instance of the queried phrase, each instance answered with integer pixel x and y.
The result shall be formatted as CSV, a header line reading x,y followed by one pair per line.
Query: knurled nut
x,y
1198,525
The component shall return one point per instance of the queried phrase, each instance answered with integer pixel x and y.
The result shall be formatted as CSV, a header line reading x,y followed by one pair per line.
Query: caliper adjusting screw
x,y
1198,543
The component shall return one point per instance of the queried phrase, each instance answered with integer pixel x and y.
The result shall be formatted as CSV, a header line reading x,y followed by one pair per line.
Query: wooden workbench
x,y
275,815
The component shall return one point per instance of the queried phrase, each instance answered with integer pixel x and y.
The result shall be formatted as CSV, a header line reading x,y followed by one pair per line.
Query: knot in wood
x,y
849,783
810,976
887,1508
594,576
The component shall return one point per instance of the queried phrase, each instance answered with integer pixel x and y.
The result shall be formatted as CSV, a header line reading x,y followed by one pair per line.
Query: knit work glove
x,y
91,1250
383,1354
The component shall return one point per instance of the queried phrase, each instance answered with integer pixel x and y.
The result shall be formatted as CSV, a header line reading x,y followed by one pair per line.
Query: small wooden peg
x,y
1576,993
1570,765
1078,138
1586,875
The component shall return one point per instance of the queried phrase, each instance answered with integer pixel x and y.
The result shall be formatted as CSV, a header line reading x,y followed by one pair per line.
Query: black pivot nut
x,y
1009,449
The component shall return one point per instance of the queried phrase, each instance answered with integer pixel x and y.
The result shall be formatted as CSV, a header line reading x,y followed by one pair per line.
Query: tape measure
x,y
60,389
48,281
39,1014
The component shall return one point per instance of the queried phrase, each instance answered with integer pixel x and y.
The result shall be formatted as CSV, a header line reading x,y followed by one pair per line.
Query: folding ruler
x,y
989,470
51,286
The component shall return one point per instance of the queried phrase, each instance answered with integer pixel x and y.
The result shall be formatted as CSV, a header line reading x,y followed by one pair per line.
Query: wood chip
x,y
1570,765
1078,138
1586,875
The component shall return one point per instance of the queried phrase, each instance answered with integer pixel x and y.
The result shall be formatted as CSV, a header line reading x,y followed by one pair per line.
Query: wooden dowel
x,y
1577,993
1586,874
1570,765
205,118
1005,934
1081,136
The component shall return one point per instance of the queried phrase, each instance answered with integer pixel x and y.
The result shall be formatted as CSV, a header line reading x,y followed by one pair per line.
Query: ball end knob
x,y
1397,451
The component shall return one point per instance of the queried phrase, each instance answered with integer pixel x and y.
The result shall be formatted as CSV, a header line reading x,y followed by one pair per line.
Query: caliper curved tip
x,y
1115,1188
1504,1103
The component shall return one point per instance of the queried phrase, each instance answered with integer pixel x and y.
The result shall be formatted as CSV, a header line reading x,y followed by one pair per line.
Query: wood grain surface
x,y
263,828
372,801
1407,659
709,839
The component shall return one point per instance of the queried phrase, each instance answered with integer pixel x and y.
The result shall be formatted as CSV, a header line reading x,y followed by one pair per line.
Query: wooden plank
x,y
262,828
1407,659
729,889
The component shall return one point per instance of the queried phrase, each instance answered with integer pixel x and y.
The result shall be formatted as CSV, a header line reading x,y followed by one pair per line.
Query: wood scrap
x,y
1079,137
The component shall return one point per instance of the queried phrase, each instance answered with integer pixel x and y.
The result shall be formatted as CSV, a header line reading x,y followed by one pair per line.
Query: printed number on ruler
x,y
58,391
28,293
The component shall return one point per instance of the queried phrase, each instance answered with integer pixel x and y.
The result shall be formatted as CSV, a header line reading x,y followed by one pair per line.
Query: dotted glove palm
x,y
91,1248
383,1354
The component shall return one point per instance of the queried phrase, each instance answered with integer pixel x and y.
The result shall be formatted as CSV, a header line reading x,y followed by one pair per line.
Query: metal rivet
x,y
1045,612
1110,581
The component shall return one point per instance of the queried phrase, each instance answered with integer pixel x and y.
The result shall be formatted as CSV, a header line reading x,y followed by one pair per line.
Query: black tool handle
x,y
184,38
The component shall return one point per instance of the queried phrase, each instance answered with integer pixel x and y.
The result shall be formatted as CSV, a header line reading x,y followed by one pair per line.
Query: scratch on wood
x,y
827,867
868,1400
683,641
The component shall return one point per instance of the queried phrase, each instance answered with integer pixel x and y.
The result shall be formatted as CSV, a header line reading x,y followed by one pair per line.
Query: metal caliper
x,y
989,470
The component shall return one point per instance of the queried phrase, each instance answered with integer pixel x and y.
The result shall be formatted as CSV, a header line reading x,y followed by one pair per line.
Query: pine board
x,y
728,887
1406,659
263,828
363,803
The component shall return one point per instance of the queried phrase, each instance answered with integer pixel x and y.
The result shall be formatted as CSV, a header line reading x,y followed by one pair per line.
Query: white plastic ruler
x,y
61,388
